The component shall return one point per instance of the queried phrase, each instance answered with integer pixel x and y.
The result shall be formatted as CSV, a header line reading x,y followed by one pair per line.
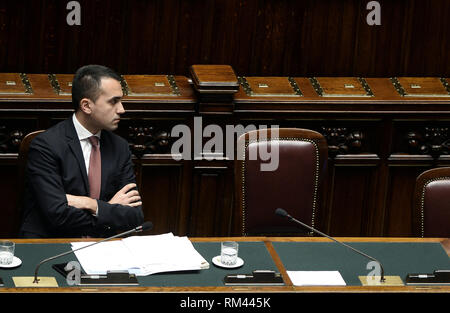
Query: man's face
x,y
108,107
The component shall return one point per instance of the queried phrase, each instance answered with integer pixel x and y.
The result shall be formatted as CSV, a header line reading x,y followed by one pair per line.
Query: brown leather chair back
x,y
431,214
21,166
23,153
294,185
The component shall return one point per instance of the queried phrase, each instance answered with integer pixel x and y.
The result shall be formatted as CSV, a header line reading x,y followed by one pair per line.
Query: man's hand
x,y
126,196
81,202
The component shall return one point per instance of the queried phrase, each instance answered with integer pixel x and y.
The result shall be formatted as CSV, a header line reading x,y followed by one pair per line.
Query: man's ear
x,y
85,105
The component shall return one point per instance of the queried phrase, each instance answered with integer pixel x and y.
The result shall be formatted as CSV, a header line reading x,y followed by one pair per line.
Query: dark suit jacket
x,y
56,167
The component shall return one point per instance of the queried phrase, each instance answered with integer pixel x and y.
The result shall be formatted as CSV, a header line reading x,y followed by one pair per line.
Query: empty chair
x,y
289,179
431,213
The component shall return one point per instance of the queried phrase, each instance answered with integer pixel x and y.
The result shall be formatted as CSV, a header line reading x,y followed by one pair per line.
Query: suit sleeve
x,y
45,181
116,216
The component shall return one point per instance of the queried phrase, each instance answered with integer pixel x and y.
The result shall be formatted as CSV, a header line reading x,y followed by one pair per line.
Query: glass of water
x,y
229,252
6,252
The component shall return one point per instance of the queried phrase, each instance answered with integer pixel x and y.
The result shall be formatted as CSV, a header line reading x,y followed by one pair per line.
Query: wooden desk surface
x,y
268,241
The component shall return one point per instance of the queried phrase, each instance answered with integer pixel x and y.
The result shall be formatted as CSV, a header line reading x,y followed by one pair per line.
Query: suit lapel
x,y
74,144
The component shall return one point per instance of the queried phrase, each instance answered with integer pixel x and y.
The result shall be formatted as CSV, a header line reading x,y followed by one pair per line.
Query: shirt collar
x,y
82,132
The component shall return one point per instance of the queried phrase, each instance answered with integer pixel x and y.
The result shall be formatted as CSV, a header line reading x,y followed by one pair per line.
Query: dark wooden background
x,y
368,192
255,37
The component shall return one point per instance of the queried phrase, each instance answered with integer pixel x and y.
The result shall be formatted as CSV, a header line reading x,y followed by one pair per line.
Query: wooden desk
x,y
269,244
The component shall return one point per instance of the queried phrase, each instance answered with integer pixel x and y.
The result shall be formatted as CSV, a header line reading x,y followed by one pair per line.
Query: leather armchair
x,y
431,213
294,185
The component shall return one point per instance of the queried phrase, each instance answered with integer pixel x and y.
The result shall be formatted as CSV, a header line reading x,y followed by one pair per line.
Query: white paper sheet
x,y
316,278
140,255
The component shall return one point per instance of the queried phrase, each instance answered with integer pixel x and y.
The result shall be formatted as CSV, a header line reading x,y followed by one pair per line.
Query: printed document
x,y
140,255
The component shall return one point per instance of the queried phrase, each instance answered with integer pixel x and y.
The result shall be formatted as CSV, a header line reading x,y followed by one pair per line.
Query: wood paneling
x,y
255,37
377,147
212,195
403,196
352,201
10,216
162,186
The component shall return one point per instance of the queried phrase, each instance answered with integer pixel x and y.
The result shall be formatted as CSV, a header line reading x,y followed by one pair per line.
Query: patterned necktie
x,y
95,169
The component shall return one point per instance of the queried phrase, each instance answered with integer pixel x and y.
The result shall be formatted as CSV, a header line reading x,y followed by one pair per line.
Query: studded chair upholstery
x,y
294,185
431,213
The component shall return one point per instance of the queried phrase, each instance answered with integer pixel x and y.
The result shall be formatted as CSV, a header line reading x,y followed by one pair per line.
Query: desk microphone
x,y
143,227
283,213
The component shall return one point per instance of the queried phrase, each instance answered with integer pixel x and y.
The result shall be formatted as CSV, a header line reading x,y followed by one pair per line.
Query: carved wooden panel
x,y
345,137
342,140
429,140
422,138
148,136
146,139
12,131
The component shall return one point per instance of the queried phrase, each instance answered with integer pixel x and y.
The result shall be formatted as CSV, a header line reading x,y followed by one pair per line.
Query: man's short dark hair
x,y
87,80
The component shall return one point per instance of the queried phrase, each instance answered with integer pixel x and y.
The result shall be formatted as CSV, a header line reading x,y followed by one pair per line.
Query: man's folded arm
x,y
119,217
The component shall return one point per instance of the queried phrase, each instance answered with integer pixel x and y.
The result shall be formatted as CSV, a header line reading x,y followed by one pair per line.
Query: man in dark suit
x,y
80,179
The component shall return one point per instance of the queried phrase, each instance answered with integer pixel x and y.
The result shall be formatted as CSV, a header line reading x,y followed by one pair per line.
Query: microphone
x,y
283,213
143,227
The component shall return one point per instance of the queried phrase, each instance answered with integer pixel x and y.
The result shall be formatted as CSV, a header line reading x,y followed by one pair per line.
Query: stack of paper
x,y
140,255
